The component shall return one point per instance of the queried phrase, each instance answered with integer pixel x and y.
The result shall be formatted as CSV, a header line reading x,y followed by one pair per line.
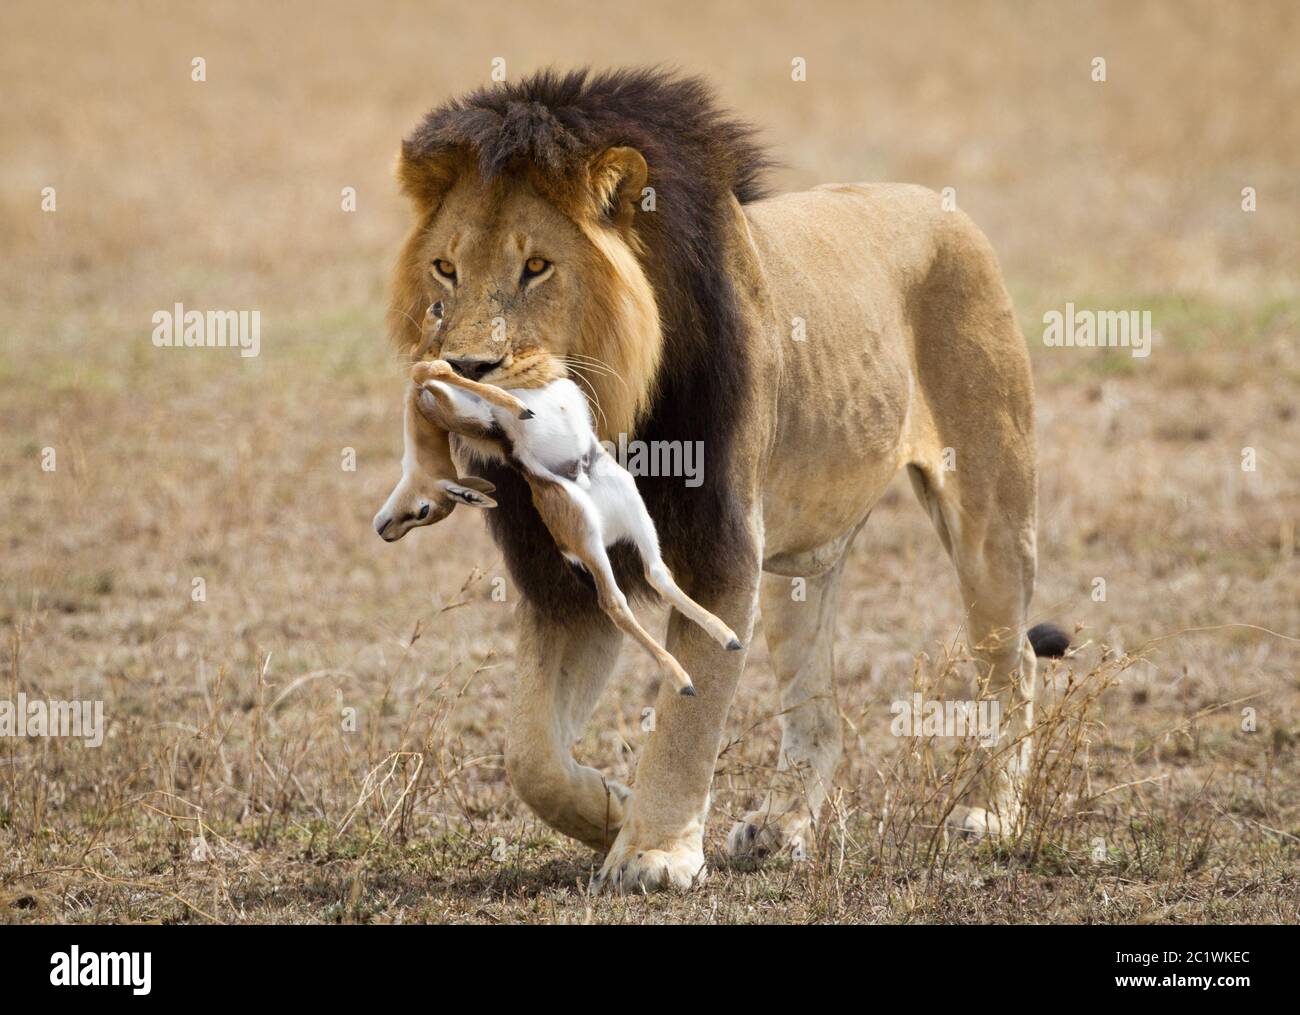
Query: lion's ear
x,y
425,179
616,177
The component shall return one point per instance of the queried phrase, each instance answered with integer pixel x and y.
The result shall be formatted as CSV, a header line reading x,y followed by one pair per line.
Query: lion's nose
x,y
473,369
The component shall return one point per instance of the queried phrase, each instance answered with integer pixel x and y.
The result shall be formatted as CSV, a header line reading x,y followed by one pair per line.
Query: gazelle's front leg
x,y
661,844
429,488
440,370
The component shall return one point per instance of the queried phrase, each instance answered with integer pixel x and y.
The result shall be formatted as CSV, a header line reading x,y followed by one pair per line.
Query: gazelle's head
x,y
420,500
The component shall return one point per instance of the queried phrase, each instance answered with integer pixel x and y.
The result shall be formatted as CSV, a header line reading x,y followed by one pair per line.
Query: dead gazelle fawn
x,y
587,501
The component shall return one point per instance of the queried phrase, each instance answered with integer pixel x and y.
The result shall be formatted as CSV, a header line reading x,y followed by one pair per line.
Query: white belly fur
x,y
560,433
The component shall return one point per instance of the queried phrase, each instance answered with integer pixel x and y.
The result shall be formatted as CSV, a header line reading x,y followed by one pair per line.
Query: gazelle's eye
x,y
535,266
446,269
435,310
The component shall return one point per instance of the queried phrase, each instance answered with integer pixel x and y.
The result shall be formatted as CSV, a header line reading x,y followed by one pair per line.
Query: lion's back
x,y
892,230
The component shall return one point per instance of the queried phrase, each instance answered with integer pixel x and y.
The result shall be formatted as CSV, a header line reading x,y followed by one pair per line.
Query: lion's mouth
x,y
474,369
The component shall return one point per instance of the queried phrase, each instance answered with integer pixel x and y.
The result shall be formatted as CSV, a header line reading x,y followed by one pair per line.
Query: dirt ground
x,y
228,788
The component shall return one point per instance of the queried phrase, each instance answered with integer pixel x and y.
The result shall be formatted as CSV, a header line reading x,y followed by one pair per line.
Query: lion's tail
x,y
1048,640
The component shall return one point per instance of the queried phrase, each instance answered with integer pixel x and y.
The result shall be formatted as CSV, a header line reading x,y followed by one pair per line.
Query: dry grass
x,y
227,789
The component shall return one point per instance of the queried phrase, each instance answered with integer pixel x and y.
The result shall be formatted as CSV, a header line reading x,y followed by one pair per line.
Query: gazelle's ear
x,y
616,178
465,495
476,483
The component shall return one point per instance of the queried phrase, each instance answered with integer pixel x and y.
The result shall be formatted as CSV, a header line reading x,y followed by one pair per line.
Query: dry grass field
x,y
227,789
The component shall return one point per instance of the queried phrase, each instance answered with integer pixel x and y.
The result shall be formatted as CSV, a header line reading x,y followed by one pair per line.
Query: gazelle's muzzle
x,y
392,523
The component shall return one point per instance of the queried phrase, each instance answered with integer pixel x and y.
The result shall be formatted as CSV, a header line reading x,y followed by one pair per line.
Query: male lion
x,y
619,221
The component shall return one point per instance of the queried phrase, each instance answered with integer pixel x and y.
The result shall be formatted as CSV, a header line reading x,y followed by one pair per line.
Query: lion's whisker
x,y
398,310
588,366
596,366
591,359
593,399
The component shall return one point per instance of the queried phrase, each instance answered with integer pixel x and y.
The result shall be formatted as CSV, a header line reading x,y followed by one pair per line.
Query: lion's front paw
x,y
759,834
629,869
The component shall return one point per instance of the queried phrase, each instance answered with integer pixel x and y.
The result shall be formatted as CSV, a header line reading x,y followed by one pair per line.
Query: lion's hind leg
x,y
987,525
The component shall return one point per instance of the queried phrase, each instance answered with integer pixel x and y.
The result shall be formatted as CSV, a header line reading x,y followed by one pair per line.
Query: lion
x,y
817,343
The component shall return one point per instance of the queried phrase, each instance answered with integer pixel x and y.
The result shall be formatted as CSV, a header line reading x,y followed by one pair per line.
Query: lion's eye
x,y
446,269
535,266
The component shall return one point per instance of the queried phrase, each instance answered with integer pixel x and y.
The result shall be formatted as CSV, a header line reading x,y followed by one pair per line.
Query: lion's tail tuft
x,y
1048,640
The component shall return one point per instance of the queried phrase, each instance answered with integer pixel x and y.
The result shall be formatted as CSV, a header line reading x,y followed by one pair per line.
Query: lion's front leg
x,y
561,672
661,844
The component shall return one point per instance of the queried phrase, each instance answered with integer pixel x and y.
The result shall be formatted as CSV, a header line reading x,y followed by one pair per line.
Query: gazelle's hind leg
x,y
987,526
662,581
614,603
971,436
577,532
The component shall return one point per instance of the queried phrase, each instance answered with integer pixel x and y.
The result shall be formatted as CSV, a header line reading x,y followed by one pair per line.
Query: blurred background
x,y
174,464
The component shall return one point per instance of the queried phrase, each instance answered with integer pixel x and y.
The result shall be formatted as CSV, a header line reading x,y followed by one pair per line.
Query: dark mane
x,y
697,156
557,122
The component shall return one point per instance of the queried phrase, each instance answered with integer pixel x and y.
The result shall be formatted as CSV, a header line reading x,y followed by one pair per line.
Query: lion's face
x,y
502,268
509,269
